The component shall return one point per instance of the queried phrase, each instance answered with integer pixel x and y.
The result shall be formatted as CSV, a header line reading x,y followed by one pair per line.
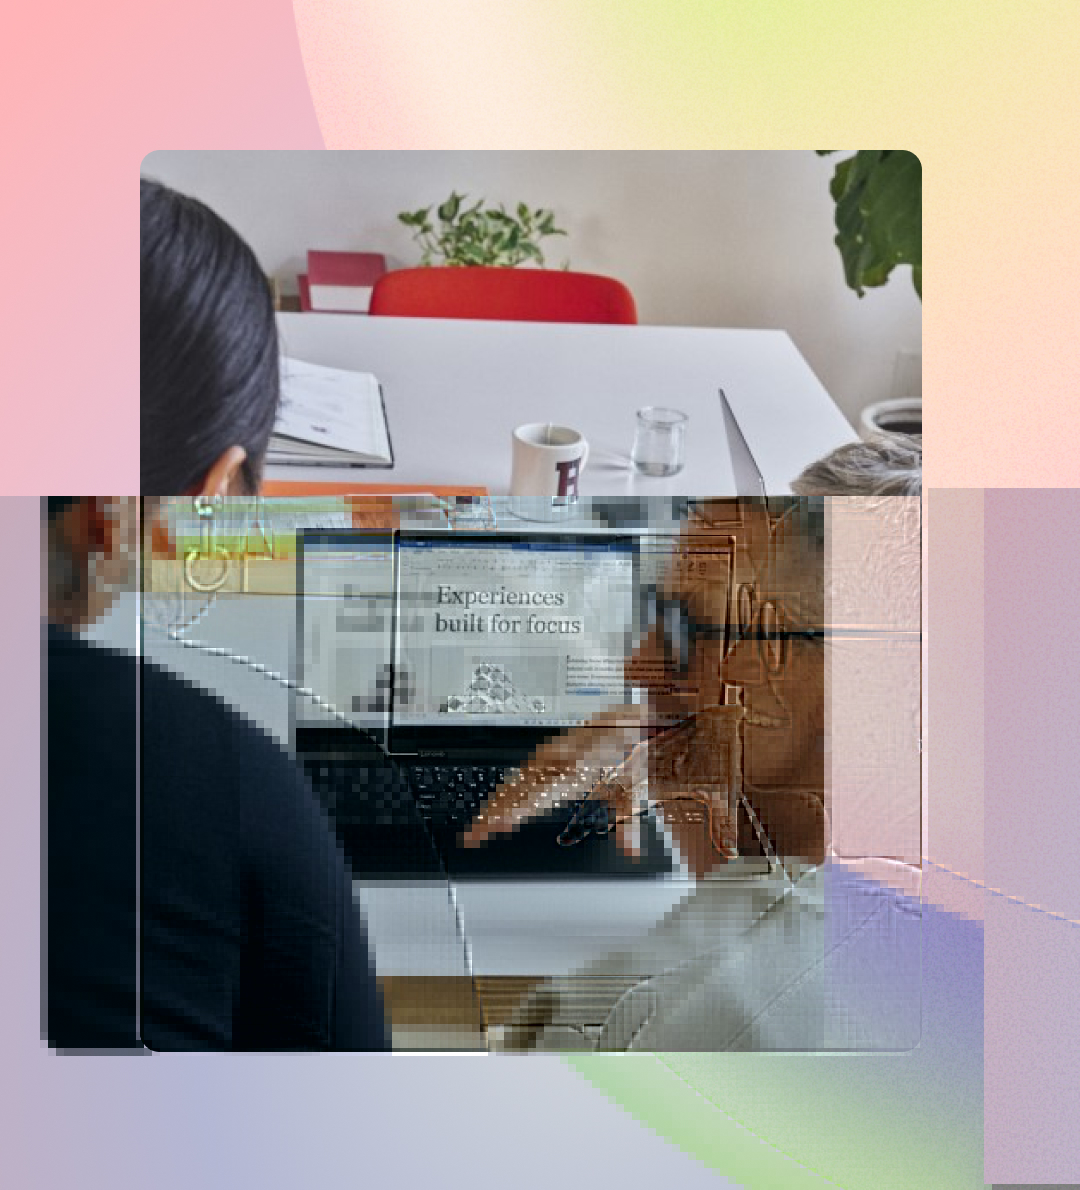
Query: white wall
x,y
741,239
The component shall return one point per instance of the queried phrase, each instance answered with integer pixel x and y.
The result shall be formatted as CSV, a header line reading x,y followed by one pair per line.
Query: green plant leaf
x,y
878,196
415,218
448,212
477,235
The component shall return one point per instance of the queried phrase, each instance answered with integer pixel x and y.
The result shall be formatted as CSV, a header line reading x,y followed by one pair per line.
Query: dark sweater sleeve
x,y
89,889
308,976
250,936
358,1013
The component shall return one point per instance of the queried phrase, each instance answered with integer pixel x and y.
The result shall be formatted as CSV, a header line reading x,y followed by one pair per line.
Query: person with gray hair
x,y
886,465
789,949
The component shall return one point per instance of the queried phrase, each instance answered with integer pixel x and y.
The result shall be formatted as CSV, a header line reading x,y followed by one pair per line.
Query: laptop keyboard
x,y
450,795
357,790
402,820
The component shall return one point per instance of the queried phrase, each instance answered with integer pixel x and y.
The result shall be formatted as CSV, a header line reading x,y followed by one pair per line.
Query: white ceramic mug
x,y
548,462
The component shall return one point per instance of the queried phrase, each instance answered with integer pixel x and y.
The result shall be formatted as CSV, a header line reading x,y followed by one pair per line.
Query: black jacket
x,y
249,936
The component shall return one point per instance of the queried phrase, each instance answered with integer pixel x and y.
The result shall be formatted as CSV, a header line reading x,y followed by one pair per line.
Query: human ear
x,y
223,477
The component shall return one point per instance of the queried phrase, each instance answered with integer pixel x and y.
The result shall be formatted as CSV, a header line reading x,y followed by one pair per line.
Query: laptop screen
x,y
511,631
346,628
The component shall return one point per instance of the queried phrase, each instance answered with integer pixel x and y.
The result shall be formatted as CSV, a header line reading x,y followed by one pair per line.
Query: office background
x,y
702,239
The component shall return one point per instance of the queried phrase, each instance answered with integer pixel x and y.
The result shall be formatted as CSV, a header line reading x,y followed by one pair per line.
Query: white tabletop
x,y
455,390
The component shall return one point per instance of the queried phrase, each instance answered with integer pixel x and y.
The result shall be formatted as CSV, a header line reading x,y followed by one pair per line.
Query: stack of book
x,y
340,282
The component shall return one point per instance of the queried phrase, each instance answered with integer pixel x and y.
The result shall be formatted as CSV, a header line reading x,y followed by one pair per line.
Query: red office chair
x,y
518,295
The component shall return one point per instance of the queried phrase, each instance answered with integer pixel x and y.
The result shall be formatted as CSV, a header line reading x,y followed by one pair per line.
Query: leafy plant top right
x,y
878,195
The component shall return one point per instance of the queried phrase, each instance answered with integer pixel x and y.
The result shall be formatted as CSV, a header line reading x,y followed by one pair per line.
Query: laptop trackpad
x,y
533,851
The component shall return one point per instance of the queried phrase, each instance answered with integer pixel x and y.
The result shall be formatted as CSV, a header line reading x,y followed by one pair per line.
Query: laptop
x,y
449,657
749,482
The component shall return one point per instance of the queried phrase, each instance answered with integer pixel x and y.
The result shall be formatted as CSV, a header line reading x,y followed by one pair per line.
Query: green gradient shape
x,y
658,1096
794,1121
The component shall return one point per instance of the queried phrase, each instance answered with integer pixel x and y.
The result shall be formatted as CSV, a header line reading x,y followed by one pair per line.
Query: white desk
x,y
456,389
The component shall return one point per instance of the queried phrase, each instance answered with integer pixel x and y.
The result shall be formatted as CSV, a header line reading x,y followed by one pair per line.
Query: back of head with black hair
x,y
209,371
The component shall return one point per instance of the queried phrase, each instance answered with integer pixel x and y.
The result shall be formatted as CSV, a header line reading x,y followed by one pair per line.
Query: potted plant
x,y
878,196
476,235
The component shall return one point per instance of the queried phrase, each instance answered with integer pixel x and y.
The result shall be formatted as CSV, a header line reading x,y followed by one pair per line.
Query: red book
x,y
341,282
305,293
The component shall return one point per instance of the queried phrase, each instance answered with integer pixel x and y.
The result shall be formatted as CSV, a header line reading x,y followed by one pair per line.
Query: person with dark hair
x,y
196,897
208,351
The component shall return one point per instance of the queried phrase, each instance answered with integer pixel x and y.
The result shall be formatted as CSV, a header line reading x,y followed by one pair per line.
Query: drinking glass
x,y
659,445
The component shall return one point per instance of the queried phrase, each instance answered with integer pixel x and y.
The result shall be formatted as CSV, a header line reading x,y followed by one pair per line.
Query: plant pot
x,y
902,416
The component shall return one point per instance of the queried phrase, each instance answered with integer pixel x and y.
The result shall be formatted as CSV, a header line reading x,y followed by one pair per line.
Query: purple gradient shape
x,y
1032,837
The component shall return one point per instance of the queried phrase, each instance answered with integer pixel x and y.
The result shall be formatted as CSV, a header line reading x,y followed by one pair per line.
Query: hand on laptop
x,y
563,770
691,772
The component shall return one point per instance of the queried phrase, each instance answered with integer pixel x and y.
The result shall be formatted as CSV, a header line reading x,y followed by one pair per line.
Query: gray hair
x,y
885,465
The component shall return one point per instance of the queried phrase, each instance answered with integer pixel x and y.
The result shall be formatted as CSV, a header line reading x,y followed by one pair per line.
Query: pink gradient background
x,y
982,92
122,79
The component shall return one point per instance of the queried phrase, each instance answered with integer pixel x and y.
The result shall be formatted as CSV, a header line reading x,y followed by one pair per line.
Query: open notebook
x,y
330,417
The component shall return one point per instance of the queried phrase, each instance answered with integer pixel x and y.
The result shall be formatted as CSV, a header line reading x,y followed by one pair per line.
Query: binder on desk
x,y
330,417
